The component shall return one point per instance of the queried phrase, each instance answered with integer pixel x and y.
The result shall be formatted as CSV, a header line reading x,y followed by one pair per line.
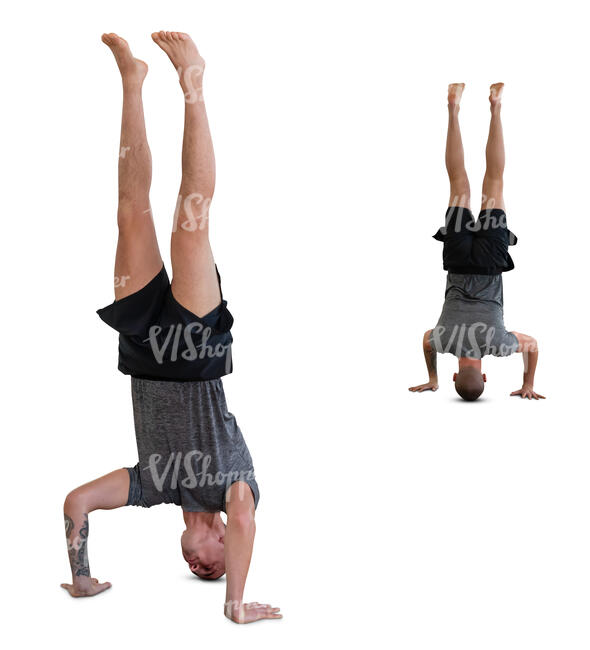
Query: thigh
x,y
138,257
194,278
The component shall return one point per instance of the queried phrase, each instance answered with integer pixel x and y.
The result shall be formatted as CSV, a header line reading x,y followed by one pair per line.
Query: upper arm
x,y
426,341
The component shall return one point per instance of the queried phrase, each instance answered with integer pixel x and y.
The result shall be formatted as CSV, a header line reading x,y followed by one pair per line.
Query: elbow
x,y
526,343
530,345
243,521
75,502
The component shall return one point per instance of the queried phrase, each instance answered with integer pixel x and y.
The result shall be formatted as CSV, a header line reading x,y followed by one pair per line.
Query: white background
x,y
416,520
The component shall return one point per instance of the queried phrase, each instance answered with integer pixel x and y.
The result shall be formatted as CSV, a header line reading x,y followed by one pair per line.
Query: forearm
x,y
108,492
76,528
239,541
530,358
429,357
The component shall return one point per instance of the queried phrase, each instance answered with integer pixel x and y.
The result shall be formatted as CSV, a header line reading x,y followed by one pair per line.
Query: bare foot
x,y
496,94
455,93
186,60
133,71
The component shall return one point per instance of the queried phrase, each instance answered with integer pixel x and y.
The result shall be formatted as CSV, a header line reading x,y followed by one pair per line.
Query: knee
x,y
493,178
194,229
192,214
460,188
130,213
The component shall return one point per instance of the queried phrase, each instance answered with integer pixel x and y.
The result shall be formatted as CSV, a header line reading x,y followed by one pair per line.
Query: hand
x,y
89,587
250,612
528,392
431,385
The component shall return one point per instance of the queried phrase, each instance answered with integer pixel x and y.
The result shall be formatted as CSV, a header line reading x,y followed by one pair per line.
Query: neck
x,y
202,520
466,362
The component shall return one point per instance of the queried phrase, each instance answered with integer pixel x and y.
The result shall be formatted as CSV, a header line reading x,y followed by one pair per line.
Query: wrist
x,y
81,580
232,609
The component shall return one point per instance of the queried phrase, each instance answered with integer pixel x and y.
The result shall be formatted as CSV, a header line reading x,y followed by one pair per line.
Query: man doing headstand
x,y
475,254
175,342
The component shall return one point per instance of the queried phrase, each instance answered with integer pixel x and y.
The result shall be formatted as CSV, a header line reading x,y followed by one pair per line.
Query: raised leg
x,y
454,156
194,281
493,183
138,257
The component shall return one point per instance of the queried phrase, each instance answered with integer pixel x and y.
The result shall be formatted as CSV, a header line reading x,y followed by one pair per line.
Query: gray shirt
x,y
190,447
472,320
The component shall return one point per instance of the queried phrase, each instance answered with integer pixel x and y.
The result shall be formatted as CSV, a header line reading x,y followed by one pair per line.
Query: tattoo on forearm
x,y
69,525
430,357
77,546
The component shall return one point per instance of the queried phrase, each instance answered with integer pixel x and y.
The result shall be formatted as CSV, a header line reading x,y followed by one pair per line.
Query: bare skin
x,y
492,197
138,258
209,547
194,282
529,348
493,180
460,192
430,358
105,493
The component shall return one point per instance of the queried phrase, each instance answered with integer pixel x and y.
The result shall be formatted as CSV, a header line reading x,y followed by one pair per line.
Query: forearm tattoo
x,y
69,525
430,357
78,546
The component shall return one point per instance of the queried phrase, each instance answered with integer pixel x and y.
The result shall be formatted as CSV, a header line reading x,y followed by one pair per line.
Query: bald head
x,y
469,383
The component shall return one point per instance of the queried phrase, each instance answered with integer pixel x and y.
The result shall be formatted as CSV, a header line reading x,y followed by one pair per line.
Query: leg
x,y
454,158
138,257
110,491
194,281
492,196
